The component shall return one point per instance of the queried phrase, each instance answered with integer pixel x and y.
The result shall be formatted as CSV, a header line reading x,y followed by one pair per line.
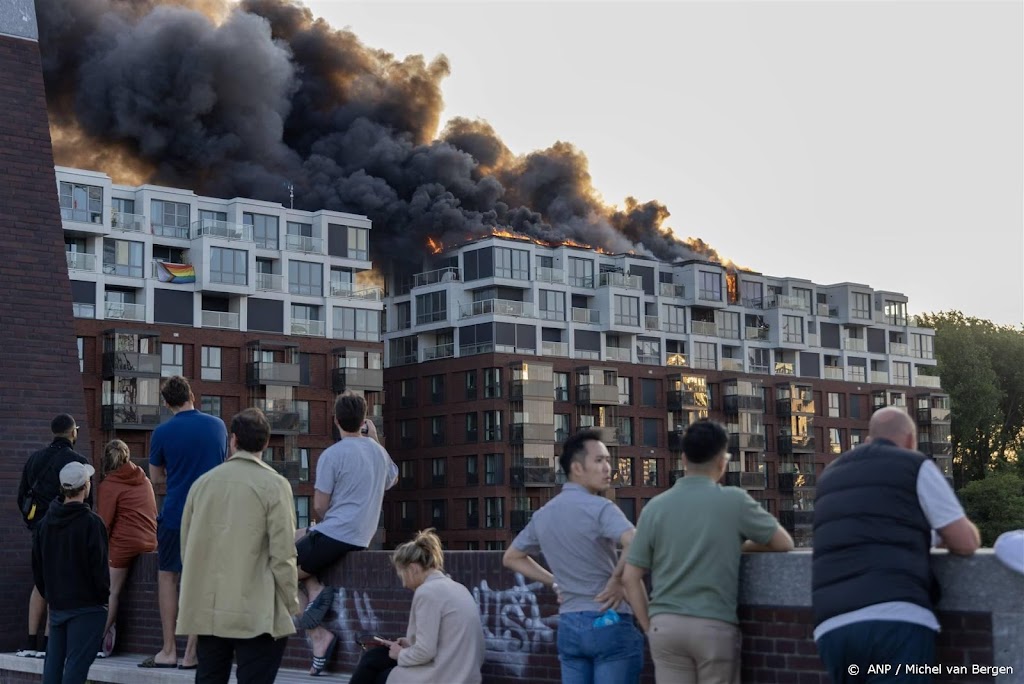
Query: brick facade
x,y
38,362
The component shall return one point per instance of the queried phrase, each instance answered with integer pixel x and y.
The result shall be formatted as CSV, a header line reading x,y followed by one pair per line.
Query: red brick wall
x,y
39,375
520,623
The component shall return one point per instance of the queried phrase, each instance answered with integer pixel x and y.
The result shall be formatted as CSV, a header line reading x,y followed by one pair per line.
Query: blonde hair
x,y
425,549
115,455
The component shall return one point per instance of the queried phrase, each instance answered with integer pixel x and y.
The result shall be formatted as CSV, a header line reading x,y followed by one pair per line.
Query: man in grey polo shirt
x,y
577,532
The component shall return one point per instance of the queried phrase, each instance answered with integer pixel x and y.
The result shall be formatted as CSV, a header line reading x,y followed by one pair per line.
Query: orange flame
x,y
435,246
732,286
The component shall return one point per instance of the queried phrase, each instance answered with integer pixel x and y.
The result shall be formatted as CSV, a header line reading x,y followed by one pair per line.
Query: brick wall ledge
x,y
981,612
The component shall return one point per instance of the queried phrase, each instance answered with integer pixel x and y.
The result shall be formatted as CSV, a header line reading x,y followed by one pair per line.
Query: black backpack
x,y
32,509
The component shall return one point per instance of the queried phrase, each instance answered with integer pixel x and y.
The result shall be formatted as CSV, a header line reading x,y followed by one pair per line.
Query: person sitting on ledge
x,y
444,641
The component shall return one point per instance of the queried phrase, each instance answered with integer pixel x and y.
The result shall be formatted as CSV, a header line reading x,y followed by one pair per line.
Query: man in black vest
x,y
874,513
40,484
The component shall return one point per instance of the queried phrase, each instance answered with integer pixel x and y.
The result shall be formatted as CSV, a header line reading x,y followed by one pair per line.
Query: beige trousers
x,y
690,650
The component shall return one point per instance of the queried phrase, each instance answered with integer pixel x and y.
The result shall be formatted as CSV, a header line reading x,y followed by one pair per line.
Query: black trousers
x,y
259,659
374,667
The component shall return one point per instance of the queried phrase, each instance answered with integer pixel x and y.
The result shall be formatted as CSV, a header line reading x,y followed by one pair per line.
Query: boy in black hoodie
x,y
69,565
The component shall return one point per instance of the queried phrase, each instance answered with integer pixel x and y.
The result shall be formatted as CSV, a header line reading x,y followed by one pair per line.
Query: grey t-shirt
x,y
354,472
577,532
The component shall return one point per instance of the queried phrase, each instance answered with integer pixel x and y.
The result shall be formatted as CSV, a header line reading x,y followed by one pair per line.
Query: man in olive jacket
x,y
239,580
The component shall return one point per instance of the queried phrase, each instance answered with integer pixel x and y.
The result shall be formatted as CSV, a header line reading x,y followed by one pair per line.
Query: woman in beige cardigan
x,y
444,641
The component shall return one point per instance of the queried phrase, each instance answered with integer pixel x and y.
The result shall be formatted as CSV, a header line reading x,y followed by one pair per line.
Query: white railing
x,y
161,230
128,223
855,344
81,261
651,323
618,354
857,374
220,319
441,275
304,243
672,290
586,315
81,310
703,328
899,348
833,372
500,307
270,282
304,326
221,229
759,368
732,365
125,312
784,302
630,282
586,354
554,348
545,274
823,310
755,333
345,291
81,215
927,381
440,351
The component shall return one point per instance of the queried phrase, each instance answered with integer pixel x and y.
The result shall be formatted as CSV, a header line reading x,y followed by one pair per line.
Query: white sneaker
x,y
101,654
26,653
40,654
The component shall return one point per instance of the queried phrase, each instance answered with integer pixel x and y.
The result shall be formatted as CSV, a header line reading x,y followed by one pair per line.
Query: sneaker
x,y
101,654
26,653
40,654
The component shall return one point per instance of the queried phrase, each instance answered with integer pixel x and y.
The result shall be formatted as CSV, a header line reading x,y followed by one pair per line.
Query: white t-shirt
x,y
941,507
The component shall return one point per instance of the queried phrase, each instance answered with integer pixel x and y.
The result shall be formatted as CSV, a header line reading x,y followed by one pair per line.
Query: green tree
x,y
995,504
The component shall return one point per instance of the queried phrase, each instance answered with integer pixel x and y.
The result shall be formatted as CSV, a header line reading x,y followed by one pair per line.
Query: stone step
x,y
123,669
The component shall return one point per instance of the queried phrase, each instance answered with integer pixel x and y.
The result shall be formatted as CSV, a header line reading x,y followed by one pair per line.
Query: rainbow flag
x,y
176,273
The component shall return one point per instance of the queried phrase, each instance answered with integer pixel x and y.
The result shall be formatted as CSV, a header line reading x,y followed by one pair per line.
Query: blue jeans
x,y
878,642
599,655
75,637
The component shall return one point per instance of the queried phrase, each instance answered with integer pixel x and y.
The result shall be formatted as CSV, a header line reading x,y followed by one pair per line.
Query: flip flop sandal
x,y
316,610
320,662
150,662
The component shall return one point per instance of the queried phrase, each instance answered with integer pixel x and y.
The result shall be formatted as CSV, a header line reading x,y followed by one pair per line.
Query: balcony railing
x,y
220,319
623,354
440,351
581,281
554,348
176,232
899,349
272,373
734,403
649,359
531,389
128,223
597,394
499,307
124,312
784,302
357,378
651,323
760,368
81,215
131,363
706,364
732,365
927,381
788,444
855,344
586,316
544,274
270,282
672,290
282,415
143,416
80,310
441,275
822,310
687,399
708,328
788,481
881,377
305,326
756,333
857,374
747,480
746,441
833,372
345,291
519,433
224,230
304,243
629,282
81,261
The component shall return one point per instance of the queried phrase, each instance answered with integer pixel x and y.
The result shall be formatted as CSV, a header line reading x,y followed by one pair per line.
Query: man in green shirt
x,y
690,538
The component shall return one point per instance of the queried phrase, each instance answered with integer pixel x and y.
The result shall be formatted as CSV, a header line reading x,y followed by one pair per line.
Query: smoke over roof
x,y
241,100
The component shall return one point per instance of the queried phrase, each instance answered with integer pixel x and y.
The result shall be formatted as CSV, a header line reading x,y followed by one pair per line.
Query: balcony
x,y
128,416
651,323
270,282
169,231
519,519
537,475
81,215
521,433
589,316
128,223
686,399
672,290
734,403
675,440
794,407
345,291
833,372
857,374
305,326
856,344
648,359
441,275
880,377
440,351
303,243
927,416
629,282
791,444
760,368
225,230
753,481
708,328
745,441
927,381
793,519
899,349
793,481
531,389
220,319
784,302
554,348
939,449
497,307
290,470
544,274
822,310
129,270
282,414
618,354
119,311
80,261
81,310
371,379
597,394
735,365
271,373
756,333
131,364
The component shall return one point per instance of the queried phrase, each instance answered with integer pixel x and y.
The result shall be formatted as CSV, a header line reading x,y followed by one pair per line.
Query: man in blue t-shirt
x,y
182,449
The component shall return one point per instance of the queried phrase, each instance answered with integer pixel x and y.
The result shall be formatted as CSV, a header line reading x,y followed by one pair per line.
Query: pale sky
x,y
872,142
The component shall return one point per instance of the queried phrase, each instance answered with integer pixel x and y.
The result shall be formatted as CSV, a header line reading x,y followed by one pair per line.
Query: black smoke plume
x,y
243,100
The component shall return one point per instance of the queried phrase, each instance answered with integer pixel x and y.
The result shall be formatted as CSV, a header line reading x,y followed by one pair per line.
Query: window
x,y
759,359
492,426
648,392
229,266
437,430
170,219
341,282
674,319
511,263
264,229
210,369
625,427
81,354
492,469
804,296
552,305
704,355
357,324
651,428
438,471
358,239
172,360
82,203
895,312
626,391
650,471
403,315
492,383
408,472
792,329
835,441
306,278
628,508
834,405
581,272
302,408
751,294
623,468
301,511
122,206
627,310
494,512
900,373
472,470
561,386
855,403
471,384
303,459
856,437
436,389
210,405
305,312
711,286
921,346
472,427
122,257
494,545
431,307
728,323
861,305
562,427
472,513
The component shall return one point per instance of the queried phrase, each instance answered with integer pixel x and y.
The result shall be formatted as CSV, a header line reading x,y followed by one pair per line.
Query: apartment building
x,y
257,304
498,349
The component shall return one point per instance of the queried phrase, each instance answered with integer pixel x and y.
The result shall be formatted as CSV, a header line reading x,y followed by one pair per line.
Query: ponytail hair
x,y
115,455
425,549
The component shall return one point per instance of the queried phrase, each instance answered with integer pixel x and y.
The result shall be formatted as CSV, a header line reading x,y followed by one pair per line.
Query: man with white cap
x,y
69,566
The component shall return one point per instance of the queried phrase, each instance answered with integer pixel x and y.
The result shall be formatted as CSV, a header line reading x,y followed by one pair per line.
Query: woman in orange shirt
x,y
128,507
